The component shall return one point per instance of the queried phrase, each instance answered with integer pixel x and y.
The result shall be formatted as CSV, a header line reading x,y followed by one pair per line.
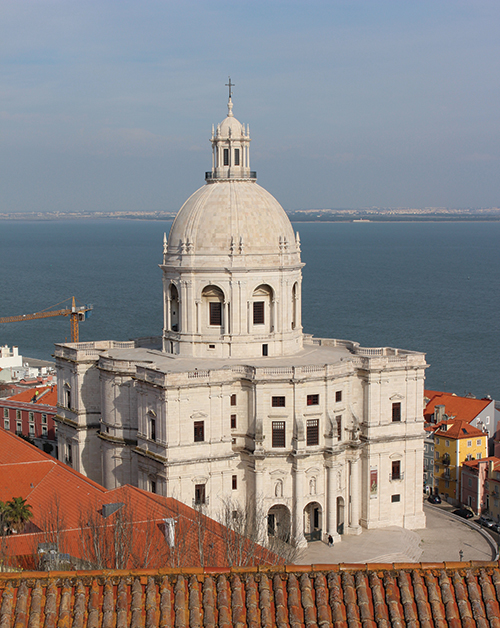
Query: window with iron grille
x,y
234,482
278,402
338,396
313,432
233,421
396,411
216,313
199,431
226,156
312,400
32,429
278,434
338,419
199,494
258,312
6,424
236,156
44,430
396,470
19,427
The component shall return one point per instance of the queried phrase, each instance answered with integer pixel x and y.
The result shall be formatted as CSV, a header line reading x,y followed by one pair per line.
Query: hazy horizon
x,y
108,106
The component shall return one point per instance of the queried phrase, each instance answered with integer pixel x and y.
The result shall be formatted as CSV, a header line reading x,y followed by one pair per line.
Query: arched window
x,y
213,302
262,308
295,305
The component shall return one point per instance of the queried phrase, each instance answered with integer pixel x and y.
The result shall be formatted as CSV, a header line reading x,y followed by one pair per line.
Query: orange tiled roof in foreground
x,y
450,594
462,408
68,507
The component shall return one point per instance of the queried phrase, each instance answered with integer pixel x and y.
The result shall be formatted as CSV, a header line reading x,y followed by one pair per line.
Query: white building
x,y
235,401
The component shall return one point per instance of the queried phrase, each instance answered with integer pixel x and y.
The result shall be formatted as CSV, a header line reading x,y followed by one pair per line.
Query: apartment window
x,y
396,411
447,484
338,419
31,416
479,456
396,469
6,413
278,434
226,156
19,427
469,443
395,498
447,443
338,396
32,429
312,400
258,312
469,481
236,156
153,486
44,418
234,482
437,441
44,430
313,432
278,402
199,494
478,442
233,421
6,424
216,313
18,415
233,399
152,425
199,431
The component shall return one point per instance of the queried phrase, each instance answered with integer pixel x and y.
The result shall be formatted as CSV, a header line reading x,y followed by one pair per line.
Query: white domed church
x,y
235,404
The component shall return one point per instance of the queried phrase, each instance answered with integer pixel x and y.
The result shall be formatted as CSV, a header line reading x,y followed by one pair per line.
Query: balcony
x,y
396,477
239,174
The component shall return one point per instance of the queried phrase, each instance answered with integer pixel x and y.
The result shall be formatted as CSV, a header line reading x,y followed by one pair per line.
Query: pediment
x,y
199,415
396,397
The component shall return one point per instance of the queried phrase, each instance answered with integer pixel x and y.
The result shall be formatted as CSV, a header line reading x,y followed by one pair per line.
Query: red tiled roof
x,y
46,396
462,408
476,463
458,429
62,497
451,594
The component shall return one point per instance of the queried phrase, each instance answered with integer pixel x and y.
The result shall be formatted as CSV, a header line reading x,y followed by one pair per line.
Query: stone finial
x,y
232,245
297,241
165,244
241,244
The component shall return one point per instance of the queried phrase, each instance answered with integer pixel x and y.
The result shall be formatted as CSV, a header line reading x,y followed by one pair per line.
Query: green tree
x,y
18,513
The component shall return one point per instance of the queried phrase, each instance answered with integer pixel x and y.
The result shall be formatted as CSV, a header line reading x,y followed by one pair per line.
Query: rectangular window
x,y
469,443
18,415
234,482
265,350
44,430
258,312
216,313
447,443
338,419
68,398
338,396
153,486
478,442
233,421
19,427
396,469
31,416
44,418
313,400
6,413
226,156
153,429
447,484
479,456
32,429
199,431
6,424
313,432
395,498
469,481
278,434
396,411
233,399
236,156
278,402
199,494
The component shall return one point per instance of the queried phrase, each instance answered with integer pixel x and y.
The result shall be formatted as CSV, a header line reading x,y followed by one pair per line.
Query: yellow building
x,y
455,442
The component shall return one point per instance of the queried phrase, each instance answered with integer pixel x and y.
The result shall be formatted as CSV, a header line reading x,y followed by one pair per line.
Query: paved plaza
x,y
442,540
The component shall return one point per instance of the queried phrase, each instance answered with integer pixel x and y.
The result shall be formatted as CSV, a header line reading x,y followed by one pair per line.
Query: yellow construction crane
x,y
76,313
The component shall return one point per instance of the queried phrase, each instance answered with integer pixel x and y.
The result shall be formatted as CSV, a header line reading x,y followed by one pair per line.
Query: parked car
x,y
434,499
496,527
463,512
486,521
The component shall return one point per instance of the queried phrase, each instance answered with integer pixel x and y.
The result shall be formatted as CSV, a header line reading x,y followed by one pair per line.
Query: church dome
x,y
238,217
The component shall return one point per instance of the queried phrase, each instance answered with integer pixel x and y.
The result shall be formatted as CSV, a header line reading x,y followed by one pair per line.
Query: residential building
x,y
455,442
481,486
429,459
18,369
234,402
31,413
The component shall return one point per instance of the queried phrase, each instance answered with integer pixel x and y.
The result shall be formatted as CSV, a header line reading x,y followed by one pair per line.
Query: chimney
x,y
438,413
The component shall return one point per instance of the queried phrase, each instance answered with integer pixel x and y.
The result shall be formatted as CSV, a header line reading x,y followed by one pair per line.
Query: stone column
x,y
298,507
331,503
183,307
355,494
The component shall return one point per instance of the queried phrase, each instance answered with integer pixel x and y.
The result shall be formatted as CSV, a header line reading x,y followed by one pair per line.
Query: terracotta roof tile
x,y
462,408
457,429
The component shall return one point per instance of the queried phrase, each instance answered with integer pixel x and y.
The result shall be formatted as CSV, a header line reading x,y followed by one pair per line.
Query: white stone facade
x,y
234,401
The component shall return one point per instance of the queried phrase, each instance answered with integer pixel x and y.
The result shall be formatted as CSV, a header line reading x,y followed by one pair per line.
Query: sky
x,y
109,105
